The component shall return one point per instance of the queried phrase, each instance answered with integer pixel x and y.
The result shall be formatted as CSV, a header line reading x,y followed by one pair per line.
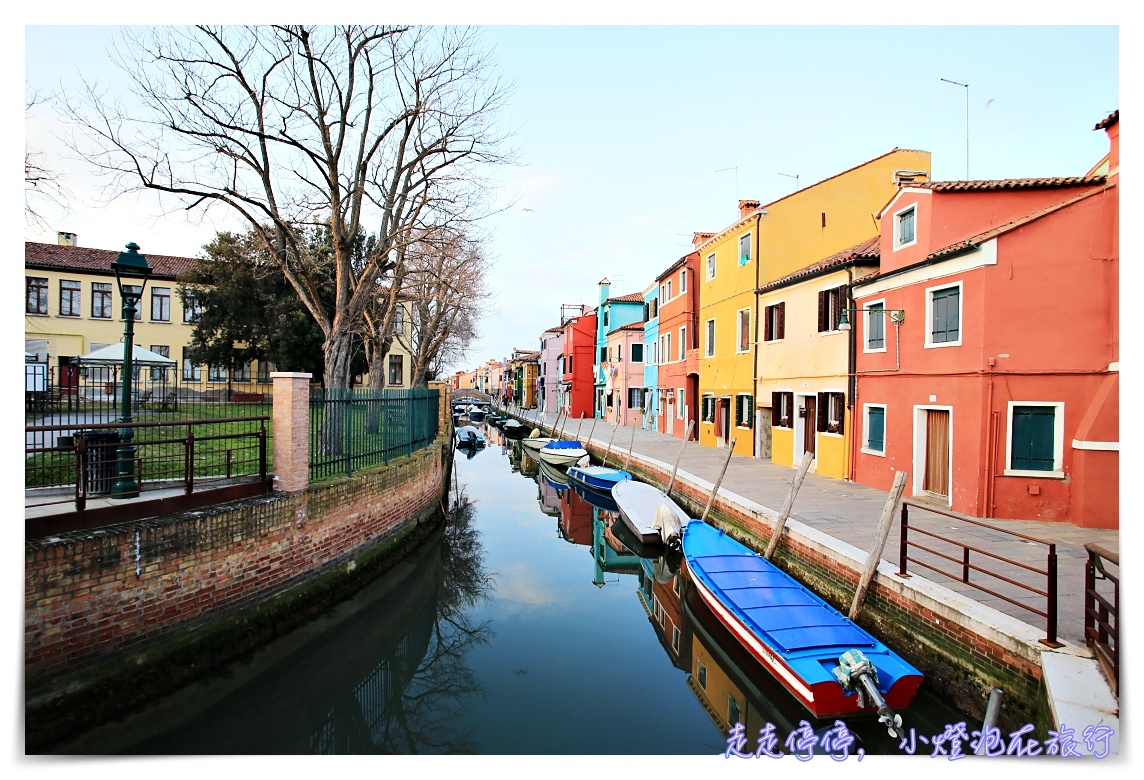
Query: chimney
x,y
66,239
605,288
698,238
746,207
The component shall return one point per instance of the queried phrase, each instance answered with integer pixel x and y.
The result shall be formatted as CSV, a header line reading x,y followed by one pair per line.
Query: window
x,y
606,312
905,232
399,320
782,410
636,397
774,322
158,371
744,249
830,303
875,327
667,348
675,638
160,304
874,439
701,675
683,342
668,296
396,370
681,401
710,266
652,309
191,369
216,373
242,372
101,300
744,316
831,413
944,307
682,281
1036,439
708,410
70,305
603,355
37,287
637,352
192,308
733,715
709,344
744,410
264,369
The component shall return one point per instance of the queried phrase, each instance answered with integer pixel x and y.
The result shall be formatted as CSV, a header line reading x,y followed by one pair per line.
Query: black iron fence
x,y
1002,572
1102,610
354,429
69,462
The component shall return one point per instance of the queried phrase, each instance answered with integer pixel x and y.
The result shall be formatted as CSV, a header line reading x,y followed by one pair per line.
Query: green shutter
x,y
1033,432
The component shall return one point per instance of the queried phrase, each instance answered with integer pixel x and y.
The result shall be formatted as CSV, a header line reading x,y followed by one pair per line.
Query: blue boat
x,y
598,478
833,667
594,497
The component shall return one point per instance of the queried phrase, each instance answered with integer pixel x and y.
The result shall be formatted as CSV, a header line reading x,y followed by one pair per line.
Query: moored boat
x,y
599,478
514,429
594,497
554,476
830,665
534,441
468,436
650,514
563,453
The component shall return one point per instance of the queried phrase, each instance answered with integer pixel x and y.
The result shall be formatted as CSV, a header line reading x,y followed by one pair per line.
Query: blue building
x,y
651,356
612,314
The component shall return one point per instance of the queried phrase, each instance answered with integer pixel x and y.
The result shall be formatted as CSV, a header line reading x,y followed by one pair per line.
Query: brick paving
x,y
850,512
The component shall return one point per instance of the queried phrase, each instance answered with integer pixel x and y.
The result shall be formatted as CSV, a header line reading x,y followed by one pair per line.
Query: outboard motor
x,y
857,673
669,527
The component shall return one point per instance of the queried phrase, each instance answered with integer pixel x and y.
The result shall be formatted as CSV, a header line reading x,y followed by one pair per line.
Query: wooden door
x,y
808,425
935,478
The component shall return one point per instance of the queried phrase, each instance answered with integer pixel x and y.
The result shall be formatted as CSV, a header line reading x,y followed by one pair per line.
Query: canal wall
x,y
965,649
117,615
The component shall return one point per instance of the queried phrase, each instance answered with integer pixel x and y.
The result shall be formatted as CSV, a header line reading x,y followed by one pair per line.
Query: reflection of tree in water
x,y
408,706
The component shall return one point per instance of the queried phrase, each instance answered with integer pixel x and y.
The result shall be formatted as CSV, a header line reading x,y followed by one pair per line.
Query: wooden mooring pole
x,y
604,462
675,468
718,482
578,426
807,458
590,430
631,444
880,537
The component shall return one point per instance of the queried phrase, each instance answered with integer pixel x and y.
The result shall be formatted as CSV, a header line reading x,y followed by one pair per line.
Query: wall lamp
x,y
897,315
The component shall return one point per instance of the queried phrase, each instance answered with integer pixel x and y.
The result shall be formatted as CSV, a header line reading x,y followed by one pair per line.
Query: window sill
x,y
907,245
865,451
829,433
1031,473
940,344
70,316
35,314
159,322
873,351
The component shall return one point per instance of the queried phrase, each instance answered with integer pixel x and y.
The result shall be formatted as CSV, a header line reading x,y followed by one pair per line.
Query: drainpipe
x,y
755,339
852,368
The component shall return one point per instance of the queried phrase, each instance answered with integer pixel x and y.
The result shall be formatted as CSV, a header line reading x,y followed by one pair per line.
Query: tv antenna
x,y
736,170
791,176
959,84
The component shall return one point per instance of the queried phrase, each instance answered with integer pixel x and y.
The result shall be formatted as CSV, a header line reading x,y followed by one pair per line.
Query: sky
x,y
631,138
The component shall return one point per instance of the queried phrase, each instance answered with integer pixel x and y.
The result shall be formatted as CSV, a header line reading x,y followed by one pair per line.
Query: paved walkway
x,y
850,512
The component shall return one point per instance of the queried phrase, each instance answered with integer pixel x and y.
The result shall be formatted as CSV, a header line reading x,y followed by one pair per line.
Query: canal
x,y
525,627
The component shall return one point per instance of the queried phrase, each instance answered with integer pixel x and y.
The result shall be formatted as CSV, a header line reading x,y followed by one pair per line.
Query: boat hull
x,y
598,478
536,444
638,503
805,671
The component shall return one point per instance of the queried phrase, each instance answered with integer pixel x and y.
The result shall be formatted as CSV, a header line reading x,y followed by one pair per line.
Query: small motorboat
x,y
534,441
468,436
554,476
595,498
514,429
833,667
599,478
476,413
563,453
653,517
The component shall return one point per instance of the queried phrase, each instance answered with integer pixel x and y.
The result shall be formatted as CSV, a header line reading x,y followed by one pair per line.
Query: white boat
x,y
649,513
534,441
563,453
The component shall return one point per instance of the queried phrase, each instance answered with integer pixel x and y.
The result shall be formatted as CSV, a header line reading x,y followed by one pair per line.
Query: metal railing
x,y
1102,611
354,429
84,458
968,565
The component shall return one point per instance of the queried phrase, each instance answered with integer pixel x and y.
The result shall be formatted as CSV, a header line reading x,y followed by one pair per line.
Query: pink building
x,y
624,375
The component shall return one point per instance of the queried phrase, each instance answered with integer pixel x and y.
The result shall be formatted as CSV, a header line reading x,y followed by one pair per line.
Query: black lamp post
x,y
129,267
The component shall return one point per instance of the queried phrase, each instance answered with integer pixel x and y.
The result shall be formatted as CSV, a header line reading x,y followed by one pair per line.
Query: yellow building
x,y
766,244
805,383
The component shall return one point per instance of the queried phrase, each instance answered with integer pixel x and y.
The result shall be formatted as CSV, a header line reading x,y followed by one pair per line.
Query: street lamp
x,y
129,267
897,315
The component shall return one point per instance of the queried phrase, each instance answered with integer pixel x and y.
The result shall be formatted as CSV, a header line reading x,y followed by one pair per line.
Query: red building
x,y
577,383
987,362
678,373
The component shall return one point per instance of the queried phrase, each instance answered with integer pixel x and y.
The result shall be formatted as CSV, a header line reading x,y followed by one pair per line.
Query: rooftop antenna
x,y
791,176
736,170
959,84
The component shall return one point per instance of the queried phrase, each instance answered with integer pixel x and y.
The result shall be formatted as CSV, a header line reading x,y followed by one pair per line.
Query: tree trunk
x,y
376,383
334,430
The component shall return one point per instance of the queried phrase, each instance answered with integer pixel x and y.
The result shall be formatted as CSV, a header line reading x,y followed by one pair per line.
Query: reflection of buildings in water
x,y
609,554
548,498
528,466
575,517
659,592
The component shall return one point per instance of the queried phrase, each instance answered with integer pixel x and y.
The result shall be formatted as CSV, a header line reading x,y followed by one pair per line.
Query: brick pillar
x,y
291,431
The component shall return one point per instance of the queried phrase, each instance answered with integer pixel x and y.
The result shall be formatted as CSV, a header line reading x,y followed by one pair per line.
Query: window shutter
x,y
821,310
823,402
776,409
769,312
841,413
781,321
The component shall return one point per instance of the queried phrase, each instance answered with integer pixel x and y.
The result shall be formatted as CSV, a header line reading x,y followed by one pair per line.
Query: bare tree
x,y
43,186
383,129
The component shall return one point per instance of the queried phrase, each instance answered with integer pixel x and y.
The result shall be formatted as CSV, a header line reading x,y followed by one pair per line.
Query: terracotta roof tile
x,y
631,326
1108,121
87,260
869,251
1010,184
629,298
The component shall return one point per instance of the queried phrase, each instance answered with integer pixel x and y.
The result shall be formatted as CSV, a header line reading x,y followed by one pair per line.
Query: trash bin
x,y
101,462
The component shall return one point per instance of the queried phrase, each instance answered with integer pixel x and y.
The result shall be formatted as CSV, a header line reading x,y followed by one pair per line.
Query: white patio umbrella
x,y
113,355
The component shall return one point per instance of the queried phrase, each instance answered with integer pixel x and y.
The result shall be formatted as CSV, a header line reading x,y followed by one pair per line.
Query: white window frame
x,y
930,343
867,318
667,285
682,281
667,348
740,348
632,352
739,243
1058,471
682,342
680,399
709,338
866,427
710,266
897,219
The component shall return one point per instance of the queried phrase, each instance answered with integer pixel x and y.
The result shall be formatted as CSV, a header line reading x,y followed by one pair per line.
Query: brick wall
x,y
89,596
